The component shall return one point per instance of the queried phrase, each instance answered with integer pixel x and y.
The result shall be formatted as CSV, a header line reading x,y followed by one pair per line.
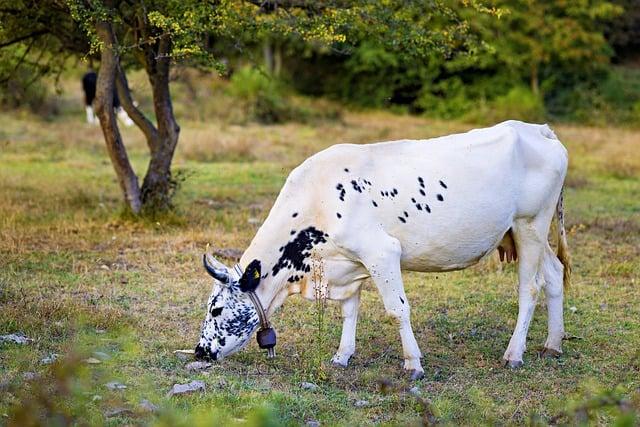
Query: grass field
x,y
79,278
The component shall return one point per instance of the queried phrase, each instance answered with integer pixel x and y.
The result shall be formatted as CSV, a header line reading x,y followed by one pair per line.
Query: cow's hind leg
x,y
530,242
347,347
553,271
383,263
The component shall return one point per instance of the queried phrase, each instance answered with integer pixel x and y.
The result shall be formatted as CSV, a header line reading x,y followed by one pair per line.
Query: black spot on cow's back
x,y
401,300
338,215
402,219
443,184
346,170
295,214
422,192
374,203
439,197
341,191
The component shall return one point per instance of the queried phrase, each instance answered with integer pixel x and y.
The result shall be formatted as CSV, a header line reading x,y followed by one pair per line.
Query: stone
x,y
92,361
115,385
29,376
198,366
50,359
312,423
147,406
191,387
308,386
415,391
18,338
361,403
101,355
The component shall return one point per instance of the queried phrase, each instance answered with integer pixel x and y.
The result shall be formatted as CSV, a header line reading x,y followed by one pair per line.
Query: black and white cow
x,y
89,81
359,212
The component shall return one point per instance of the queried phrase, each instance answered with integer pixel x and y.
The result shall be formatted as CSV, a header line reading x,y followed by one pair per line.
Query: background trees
x,y
527,59
154,34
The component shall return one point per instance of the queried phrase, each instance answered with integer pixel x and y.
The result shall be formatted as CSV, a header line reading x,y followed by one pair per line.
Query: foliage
x,y
261,95
552,48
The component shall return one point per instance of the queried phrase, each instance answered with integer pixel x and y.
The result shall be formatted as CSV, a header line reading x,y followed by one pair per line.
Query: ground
x,y
79,277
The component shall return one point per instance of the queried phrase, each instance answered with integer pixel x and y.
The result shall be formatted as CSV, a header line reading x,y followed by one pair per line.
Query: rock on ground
x,y
198,366
115,385
191,387
184,354
308,386
361,403
49,359
18,338
28,376
145,405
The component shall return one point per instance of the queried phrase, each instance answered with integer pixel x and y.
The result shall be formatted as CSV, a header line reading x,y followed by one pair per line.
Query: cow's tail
x,y
563,247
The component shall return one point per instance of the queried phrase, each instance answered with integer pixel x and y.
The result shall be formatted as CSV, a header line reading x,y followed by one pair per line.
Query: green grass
x,y
71,268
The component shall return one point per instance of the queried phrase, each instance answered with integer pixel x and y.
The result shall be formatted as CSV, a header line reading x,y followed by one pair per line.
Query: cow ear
x,y
251,277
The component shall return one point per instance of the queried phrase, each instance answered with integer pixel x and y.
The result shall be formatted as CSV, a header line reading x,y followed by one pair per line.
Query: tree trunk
x,y
277,60
104,110
267,51
535,86
158,186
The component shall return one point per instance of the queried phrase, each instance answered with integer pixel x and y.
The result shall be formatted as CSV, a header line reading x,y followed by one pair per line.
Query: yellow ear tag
x,y
256,274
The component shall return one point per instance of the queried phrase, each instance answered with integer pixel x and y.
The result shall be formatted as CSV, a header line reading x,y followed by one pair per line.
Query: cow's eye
x,y
216,311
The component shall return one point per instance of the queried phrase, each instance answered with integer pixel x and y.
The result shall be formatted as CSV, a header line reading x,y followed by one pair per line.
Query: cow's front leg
x,y
350,308
384,266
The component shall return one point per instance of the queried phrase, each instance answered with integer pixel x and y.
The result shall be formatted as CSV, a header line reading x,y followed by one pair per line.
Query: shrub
x,y
263,96
517,104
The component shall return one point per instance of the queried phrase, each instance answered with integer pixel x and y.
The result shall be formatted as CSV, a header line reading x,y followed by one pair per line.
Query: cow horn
x,y
215,269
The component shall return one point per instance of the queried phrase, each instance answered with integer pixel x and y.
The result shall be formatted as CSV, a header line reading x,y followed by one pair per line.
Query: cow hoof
x,y
550,353
415,374
340,361
513,364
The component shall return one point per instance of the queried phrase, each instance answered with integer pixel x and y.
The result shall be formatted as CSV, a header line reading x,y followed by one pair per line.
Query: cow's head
x,y
231,316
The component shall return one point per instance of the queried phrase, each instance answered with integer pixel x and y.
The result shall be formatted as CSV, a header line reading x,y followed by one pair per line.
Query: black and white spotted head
x,y
231,317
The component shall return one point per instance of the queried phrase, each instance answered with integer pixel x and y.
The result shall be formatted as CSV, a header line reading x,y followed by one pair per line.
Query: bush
x,y
263,96
517,104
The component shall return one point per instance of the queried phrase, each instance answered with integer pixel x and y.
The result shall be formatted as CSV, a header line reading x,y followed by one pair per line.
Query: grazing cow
x,y
89,81
358,212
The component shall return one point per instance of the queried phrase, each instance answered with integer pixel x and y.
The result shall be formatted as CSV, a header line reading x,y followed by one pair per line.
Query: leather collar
x,y
266,334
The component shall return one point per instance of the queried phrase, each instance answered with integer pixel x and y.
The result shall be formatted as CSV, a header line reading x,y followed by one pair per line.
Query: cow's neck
x,y
270,287
284,247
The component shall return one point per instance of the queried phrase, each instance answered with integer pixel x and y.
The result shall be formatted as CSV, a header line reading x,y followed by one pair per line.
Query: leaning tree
x,y
155,34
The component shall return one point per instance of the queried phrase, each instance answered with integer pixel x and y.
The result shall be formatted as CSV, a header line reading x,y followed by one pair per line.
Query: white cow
x,y
359,212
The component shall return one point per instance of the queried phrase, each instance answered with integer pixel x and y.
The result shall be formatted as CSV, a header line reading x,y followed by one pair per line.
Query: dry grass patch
x,y
207,145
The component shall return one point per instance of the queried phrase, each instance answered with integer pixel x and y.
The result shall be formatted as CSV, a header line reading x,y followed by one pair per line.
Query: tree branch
x,y
34,34
138,117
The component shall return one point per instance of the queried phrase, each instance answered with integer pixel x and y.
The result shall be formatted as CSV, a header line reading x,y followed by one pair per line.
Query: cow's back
x,y
448,200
